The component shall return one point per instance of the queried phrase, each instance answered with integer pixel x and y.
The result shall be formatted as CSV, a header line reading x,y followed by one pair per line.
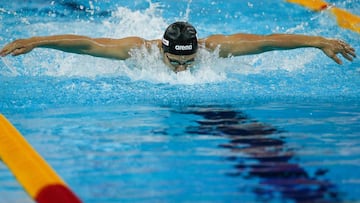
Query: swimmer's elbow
x,y
114,48
106,53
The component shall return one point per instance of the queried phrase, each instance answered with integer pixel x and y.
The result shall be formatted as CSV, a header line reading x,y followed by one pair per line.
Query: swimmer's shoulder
x,y
156,42
212,41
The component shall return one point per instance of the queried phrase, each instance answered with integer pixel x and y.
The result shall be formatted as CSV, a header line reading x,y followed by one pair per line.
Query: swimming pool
x,y
275,127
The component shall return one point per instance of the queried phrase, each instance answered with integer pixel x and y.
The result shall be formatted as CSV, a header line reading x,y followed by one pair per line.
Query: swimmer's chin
x,y
182,69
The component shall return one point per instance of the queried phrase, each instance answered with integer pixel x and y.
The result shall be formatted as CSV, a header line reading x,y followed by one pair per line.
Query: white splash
x,y
148,65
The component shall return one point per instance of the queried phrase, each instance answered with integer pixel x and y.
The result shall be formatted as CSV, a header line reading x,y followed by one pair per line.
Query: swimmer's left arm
x,y
244,44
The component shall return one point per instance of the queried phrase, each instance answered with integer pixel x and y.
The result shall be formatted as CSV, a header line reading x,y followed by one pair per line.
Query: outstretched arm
x,y
244,44
99,47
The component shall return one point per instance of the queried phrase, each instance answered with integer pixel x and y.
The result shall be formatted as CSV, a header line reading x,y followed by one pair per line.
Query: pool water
x,y
281,126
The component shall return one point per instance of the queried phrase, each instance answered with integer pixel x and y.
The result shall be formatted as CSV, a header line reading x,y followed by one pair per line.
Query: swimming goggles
x,y
176,63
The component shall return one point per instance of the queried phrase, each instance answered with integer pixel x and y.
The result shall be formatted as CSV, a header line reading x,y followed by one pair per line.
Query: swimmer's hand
x,y
18,47
332,47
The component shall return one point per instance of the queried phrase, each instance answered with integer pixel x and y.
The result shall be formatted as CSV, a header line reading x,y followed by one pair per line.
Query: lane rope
x,y
344,18
36,176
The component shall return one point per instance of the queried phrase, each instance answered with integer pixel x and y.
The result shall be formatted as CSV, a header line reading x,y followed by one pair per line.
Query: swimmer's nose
x,y
180,68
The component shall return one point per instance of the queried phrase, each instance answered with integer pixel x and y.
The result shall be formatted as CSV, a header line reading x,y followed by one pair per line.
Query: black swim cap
x,y
180,39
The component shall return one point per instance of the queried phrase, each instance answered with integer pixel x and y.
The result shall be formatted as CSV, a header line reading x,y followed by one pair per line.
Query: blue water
x,y
281,126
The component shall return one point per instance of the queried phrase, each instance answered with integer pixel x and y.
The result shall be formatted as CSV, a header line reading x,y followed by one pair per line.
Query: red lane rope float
x,y
315,5
344,18
38,179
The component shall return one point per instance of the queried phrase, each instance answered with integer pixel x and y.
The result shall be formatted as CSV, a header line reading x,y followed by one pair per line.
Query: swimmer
x,y
179,45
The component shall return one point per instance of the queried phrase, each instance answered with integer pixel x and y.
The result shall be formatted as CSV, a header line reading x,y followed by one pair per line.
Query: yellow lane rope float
x,y
344,18
39,180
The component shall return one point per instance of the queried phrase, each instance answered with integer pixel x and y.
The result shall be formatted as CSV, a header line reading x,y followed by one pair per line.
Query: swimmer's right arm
x,y
99,47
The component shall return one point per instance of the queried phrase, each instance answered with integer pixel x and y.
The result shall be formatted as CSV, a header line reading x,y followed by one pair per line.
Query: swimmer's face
x,y
179,63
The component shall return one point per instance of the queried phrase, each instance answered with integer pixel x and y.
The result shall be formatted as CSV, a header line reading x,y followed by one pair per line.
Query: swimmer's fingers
x,y
333,56
19,51
339,47
349,53
336,59
9,48
346,50
347,56
16,48
5,51
330,53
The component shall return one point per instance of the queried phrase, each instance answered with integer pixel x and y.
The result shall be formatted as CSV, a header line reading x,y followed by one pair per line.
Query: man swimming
x,y
179,45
